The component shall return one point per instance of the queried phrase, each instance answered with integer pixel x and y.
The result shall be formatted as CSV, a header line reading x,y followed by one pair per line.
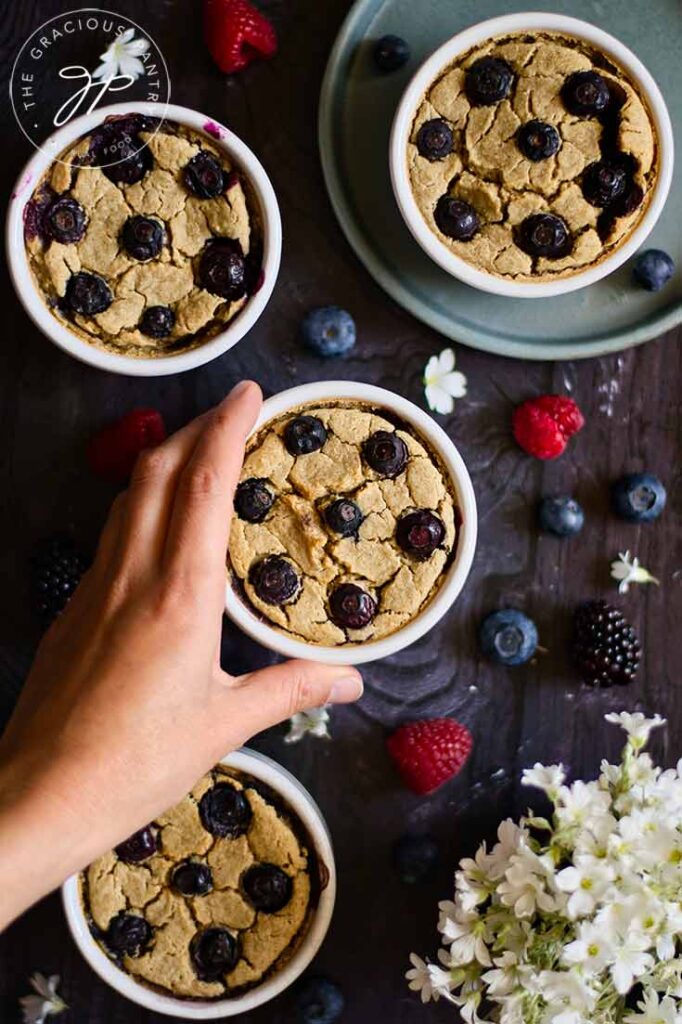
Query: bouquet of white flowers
x,y
583,926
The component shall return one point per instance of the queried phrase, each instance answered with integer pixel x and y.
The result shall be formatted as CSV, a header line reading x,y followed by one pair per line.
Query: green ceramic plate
x,y
356,110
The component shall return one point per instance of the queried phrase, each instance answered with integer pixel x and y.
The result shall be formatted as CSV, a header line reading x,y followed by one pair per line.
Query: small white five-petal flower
x,y
442,383
636,725
122,57
46,1002
548,778
304,723
627,570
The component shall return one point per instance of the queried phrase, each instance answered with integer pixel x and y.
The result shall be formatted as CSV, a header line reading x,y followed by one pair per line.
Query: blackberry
x,y
605,645
56,569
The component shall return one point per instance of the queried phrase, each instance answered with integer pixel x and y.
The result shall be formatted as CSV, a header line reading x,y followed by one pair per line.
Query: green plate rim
x,y
655,326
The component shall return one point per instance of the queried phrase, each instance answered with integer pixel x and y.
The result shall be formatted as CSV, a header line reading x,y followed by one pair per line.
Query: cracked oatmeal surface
x,y
488,170
295,527
266,941
170,279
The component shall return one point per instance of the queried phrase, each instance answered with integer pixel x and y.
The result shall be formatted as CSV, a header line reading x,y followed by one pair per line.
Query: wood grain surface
x,y
50,404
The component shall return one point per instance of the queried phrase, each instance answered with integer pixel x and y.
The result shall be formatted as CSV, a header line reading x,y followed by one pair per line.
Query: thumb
x,y
262,699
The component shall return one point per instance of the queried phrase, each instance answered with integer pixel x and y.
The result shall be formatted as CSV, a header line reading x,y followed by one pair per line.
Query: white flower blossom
x,y
303,723
548,778
627,570
636,725
45,1003
559,920
442,383
122,57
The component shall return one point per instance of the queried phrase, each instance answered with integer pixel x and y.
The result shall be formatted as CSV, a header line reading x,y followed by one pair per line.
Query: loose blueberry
x,y
157,321
420,533
222,269
65,220
351,607
225,811
267,887
274,580
142,238
191,878
328,331
435,139
214,952
639,497
390,53
304,435
508,637
544,234
604,182
128,935
343,516
561,516
586,94
87,294
538,140
415,857
319,1001
204,176
386,453
253,500
456,218
138,847
653,269
488,81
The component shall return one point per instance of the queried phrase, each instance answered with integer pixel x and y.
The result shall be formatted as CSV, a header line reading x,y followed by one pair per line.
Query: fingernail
x,y
346,690
238,389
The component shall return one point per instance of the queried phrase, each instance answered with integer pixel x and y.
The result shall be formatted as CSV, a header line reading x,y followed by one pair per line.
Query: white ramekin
x,y
357,654
264,196
302,803
525,22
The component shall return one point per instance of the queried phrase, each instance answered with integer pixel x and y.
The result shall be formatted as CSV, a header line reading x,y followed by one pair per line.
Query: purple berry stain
x,y
211,128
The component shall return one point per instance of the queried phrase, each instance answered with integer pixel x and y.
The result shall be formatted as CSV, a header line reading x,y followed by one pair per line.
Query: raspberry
x,y
428,753
543,425
113,452
237,33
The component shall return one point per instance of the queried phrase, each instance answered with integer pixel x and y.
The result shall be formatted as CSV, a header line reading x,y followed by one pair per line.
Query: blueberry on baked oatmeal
x,y
435,139
222,269
204,176
253,500
121,154
304,435
544,234
267,887
138,847
351,607
128,935
214,952
343,516
488,81
87,294
192,878
604,182
385,452
157,321
456,218
142,238
65,220
274,580
420,533
225,811
538,140
586,94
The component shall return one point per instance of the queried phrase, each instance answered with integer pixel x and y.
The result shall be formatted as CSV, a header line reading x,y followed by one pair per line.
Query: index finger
x,y
199,527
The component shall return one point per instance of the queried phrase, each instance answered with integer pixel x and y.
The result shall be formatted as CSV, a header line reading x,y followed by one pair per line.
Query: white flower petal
x,y
131,66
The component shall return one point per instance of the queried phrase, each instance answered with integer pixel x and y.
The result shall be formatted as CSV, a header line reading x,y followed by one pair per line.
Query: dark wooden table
x,y
50,404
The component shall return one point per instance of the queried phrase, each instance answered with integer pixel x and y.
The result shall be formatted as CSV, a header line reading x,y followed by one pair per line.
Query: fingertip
x,y
347,689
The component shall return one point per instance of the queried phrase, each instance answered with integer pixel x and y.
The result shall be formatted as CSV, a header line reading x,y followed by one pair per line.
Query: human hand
x,y
126,705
